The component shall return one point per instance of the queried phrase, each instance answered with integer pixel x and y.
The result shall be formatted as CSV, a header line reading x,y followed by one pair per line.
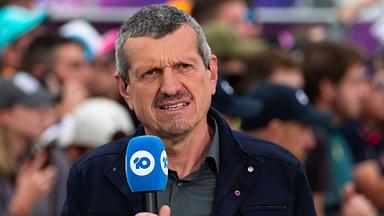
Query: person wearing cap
x,y
232,106
31,182
18,26
167,75
285,119
96,121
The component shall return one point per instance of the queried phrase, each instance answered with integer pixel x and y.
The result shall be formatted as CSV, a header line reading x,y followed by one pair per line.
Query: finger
x,y
39,160
348,191
48,173
165,210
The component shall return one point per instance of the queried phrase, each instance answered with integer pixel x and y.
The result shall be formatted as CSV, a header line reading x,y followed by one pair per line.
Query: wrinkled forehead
x,y
181,44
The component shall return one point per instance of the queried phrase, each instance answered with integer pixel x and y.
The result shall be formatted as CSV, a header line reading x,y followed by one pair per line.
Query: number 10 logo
x,y
142,163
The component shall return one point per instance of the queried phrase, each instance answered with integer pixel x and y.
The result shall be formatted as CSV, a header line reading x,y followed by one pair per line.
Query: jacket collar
x,y
235,167
233,174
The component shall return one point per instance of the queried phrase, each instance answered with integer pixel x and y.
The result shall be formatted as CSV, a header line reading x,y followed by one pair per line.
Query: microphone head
x,y
146,164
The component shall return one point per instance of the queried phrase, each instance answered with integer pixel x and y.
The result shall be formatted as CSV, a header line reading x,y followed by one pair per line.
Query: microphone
x,y
146,169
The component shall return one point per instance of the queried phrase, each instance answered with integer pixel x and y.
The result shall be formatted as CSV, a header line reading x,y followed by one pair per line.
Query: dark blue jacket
x,y
276,186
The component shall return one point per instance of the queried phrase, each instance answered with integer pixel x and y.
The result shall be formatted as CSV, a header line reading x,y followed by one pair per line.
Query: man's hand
x,y
164,211
355,204
33,183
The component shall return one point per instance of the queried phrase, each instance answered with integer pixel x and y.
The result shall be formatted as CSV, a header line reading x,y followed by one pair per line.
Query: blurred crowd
x,y
310,91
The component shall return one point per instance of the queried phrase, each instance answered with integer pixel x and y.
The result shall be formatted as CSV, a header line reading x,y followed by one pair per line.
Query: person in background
x,y
212,169
97,121
32,181
104,66
275,65
287,119
238,15
60,65
232,106
233,35
335,83
22,25
365,136
232,53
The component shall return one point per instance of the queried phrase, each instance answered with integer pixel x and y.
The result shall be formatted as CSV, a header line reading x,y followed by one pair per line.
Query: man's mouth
x,y
174,106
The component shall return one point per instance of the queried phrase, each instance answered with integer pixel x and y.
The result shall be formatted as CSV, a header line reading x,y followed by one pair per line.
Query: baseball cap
x,y
227,102
95,122
15,21
284,103
23,89
85,33
225,43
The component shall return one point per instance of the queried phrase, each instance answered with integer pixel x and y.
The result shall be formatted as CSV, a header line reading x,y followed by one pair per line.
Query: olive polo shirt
x,y
193,195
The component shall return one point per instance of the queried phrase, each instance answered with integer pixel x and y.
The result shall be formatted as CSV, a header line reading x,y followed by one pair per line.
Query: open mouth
x,y
174,106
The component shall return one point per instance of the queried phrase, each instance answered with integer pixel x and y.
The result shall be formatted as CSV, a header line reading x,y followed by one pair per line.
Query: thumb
x,y
348,191
165,210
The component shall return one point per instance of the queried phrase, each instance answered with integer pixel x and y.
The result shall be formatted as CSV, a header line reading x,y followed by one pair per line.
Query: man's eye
x,y
151,73
183,67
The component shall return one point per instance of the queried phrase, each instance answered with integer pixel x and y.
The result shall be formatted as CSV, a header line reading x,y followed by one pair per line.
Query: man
x,y
167,75
335,83
285,119
365,137
60,64
275,65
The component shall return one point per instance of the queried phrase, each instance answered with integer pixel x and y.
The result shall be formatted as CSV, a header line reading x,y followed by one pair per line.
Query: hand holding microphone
x,y
146,168
164,211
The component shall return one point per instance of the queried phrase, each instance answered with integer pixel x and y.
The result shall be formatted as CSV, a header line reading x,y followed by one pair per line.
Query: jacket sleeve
x,y
74,205
303,196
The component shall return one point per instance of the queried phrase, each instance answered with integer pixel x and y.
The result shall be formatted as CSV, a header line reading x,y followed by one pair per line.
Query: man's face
x,y
26,121
70,64
288,76
374,100
297,138
169,86
350,92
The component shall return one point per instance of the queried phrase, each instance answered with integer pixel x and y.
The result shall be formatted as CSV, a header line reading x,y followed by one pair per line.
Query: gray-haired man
x,y
167,75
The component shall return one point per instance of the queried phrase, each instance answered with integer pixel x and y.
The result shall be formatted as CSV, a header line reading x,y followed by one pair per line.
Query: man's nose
x,y
170,83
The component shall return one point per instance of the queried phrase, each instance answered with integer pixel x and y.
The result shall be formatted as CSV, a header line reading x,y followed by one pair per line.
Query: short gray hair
x,y
157,21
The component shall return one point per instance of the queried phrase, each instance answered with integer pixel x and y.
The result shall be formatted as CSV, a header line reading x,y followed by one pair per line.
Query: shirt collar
x,y
213,152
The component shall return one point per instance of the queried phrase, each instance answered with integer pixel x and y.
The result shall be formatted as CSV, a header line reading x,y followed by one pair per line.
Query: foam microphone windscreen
x,y
146,164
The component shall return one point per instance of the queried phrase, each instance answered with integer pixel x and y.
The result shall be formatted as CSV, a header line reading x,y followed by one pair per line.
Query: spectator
x,y
334,82
30,185
276,65
60,64
365,137
22,25
96,121
232,53
232,106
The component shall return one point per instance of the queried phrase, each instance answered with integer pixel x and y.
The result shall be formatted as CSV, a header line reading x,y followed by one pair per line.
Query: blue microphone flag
x,y
146,164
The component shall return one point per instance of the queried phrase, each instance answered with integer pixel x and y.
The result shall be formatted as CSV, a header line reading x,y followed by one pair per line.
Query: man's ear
x,y
214,73
124,89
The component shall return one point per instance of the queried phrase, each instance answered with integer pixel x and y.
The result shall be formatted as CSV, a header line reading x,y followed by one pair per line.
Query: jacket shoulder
x,y
264,149
107,152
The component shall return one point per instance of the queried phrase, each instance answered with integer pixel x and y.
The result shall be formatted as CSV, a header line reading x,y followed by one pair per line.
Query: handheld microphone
x,y
146,169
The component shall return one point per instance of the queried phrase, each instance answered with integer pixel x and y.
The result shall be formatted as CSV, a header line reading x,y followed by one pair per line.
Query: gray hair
x,y
157,21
